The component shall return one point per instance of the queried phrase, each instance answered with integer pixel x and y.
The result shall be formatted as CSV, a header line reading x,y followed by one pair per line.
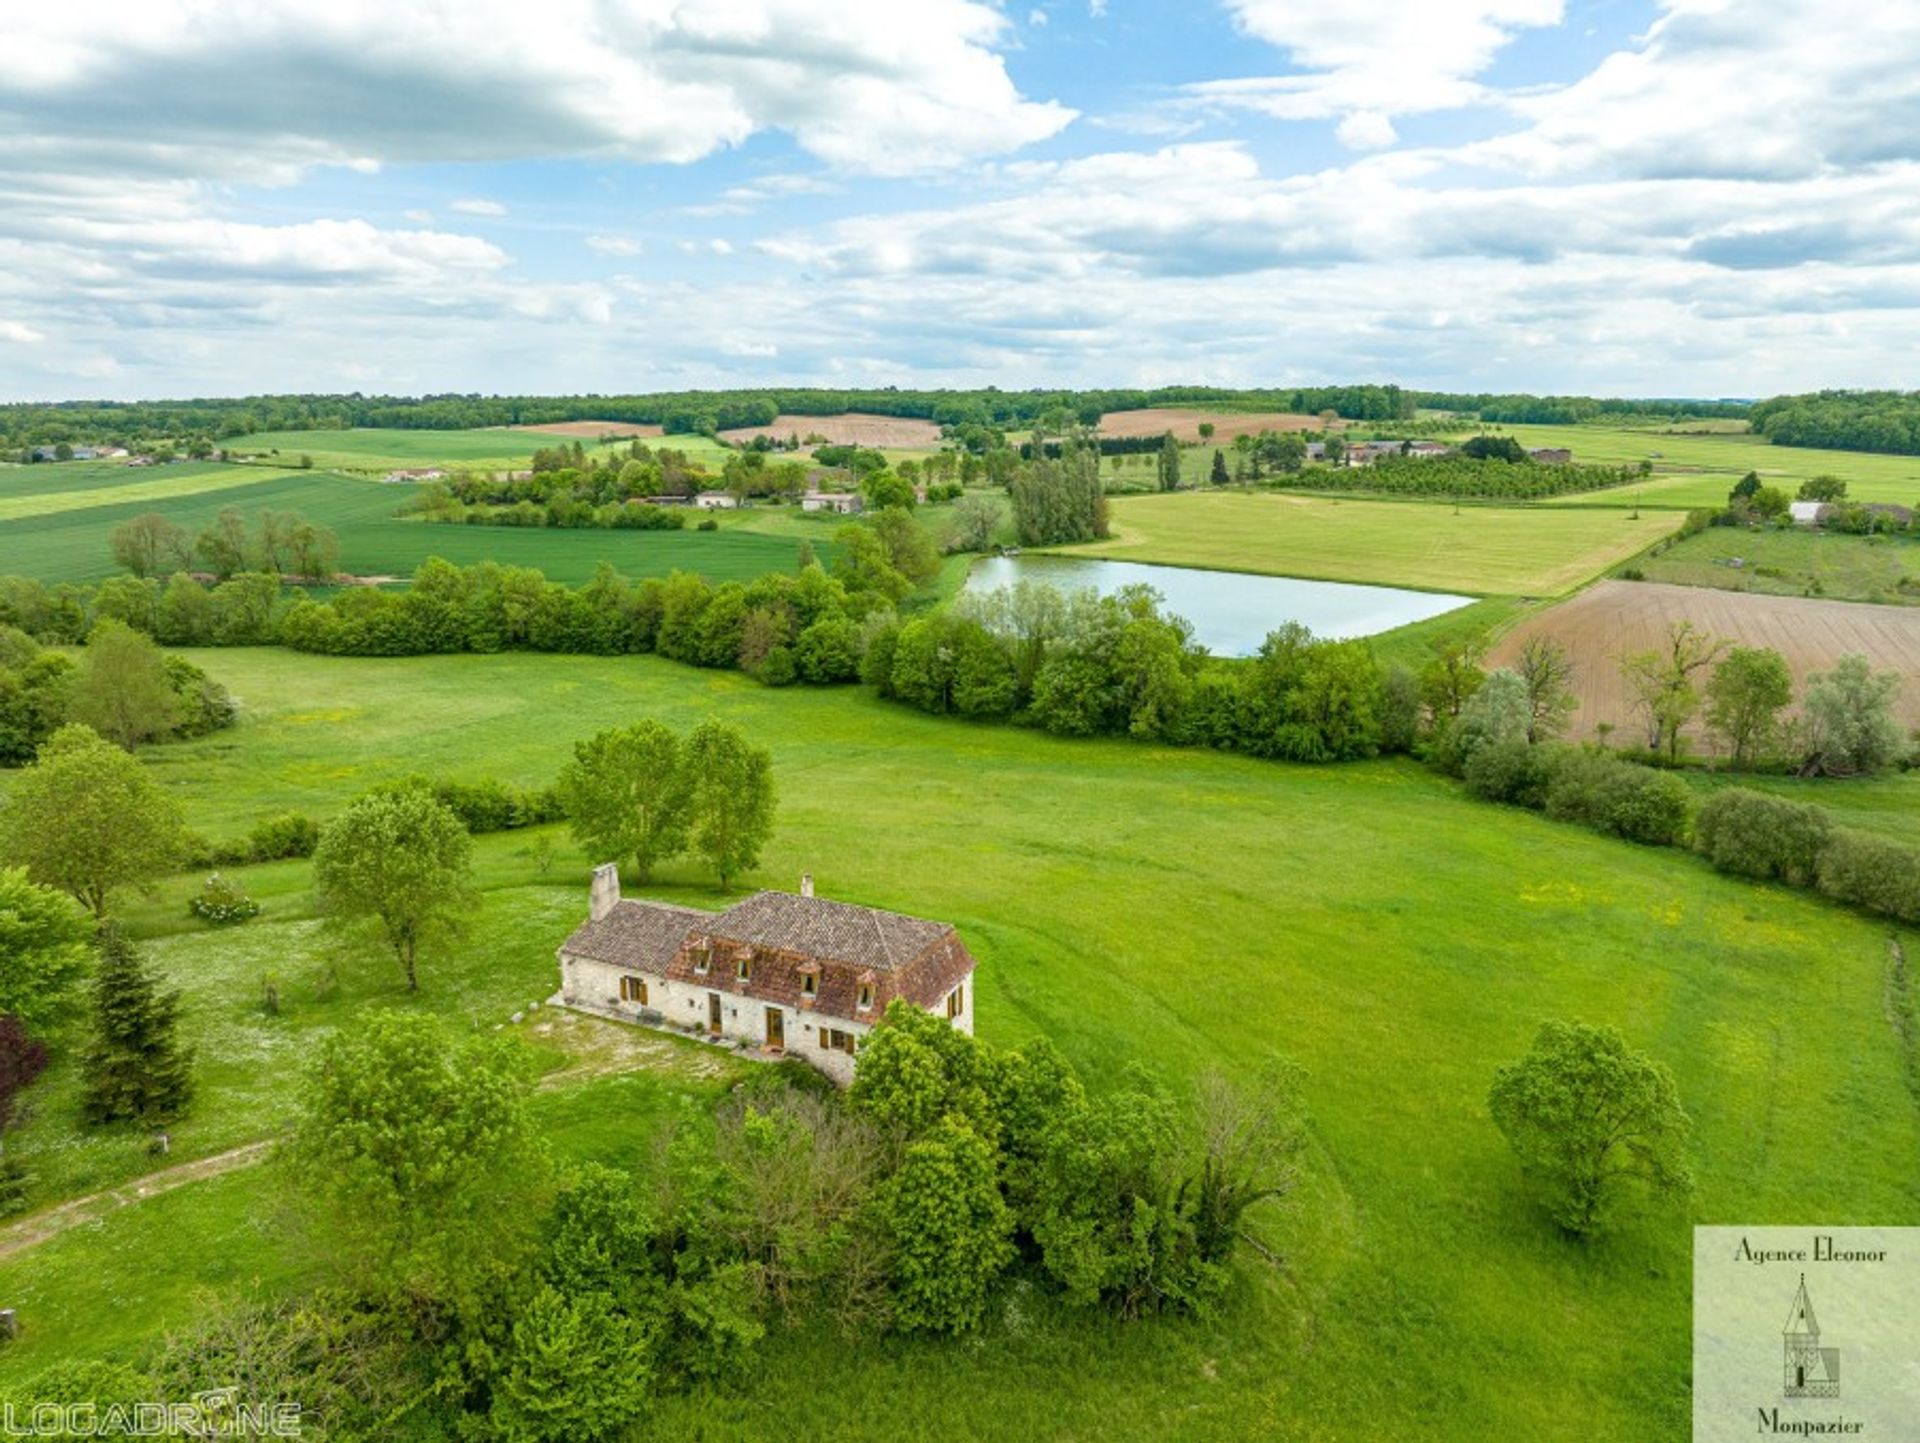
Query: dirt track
x,y
1615,618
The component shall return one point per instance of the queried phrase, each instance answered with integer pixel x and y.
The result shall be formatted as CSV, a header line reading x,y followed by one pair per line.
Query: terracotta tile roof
x,y
831,931
784,938
643,935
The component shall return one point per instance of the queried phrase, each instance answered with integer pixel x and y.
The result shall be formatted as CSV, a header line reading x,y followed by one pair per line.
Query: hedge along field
x,y
1693,470
1184,910
76,545
504,448
1480,550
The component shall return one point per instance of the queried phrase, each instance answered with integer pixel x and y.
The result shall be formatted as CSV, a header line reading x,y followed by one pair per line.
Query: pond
x,y
1231,612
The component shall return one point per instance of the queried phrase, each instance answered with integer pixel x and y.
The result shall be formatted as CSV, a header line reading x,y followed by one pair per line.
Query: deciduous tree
x,y
43,948
400,860
1745,696
88,819
120,688
1594,1124
730,797
625,795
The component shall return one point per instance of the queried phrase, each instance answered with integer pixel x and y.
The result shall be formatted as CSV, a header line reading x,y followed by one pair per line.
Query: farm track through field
x,y
601,1049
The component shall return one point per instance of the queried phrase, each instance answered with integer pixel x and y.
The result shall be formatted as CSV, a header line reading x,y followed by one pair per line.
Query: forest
x,y
1883,421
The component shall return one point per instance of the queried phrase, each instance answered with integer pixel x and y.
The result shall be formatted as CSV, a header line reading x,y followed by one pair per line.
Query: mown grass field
x,y
1794,562
1698,470
1179,910
1479,550
74,543
489,448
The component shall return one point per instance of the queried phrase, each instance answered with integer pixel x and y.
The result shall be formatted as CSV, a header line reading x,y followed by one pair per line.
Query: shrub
x,y
1879,875
221,903
1609,795
709,524
1509,771
1751,834
291,834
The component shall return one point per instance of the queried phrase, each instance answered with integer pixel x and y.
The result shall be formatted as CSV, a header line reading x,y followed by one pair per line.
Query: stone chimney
x,y
806,884
606,890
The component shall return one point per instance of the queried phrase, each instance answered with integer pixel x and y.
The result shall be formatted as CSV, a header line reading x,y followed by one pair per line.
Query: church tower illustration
x,y
1811,1370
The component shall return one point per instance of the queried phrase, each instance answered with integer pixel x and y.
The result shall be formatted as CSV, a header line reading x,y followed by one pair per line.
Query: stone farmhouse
x,y
778,974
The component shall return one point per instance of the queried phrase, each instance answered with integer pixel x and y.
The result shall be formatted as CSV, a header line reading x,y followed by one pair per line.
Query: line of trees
x,y
1884,421
1464,477
122,686
285,543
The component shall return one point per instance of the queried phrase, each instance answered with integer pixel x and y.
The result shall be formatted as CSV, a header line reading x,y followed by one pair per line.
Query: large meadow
x,y
1178,910
1171,909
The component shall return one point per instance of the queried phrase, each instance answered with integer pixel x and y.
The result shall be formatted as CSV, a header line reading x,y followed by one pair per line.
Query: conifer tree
x,y
135,1069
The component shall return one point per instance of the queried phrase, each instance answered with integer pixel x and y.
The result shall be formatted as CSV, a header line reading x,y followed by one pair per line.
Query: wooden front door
x,y
713,1013
776,1028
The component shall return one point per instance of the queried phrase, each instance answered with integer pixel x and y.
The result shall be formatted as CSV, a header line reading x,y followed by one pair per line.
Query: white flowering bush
x,y
222,903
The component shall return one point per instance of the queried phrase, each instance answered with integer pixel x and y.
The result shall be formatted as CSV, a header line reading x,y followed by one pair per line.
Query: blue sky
x,y
1691,197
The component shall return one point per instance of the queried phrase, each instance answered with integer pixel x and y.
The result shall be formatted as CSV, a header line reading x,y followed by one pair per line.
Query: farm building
x,y
1551,455
780,974
846,502
715,500
430,473
1807,513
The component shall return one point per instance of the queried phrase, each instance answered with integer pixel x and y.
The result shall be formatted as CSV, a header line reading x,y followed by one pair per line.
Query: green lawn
x,y
75,544
1176,909
1479,550
1698,470
489,448
1794,562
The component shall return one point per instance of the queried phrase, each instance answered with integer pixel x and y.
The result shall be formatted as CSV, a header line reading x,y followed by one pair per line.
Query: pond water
x,y
1231,612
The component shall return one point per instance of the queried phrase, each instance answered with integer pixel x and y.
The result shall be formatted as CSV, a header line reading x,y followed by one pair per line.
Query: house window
x,y
633,989
957,1001
866,995
743,969
701,957
810,984
834,1040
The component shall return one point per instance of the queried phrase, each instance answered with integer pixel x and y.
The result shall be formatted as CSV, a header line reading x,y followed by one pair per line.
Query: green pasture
x,y
490,448
1179,910
134,486
1479,550
1698,470
76,544
1795,561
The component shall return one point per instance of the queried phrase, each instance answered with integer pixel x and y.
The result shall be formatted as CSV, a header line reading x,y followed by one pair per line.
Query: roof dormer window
x,y
866,996
809,984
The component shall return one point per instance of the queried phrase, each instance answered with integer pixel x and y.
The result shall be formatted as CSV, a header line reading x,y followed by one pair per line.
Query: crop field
x,y
143,485
1478,550
887,433
75,544
485,449
1185,422
1616,618
1796,561
1394,937
591,430
1698,470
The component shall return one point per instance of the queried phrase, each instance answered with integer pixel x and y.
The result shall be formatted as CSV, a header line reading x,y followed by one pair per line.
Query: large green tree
x,y
625,794
416,1147
88,819
134,1068
1594,1124
731,797
43,948
1851,730
1745,696
121,688
401,860
949,1227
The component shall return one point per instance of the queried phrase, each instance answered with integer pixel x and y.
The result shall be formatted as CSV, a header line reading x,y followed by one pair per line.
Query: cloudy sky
x,y
1649,197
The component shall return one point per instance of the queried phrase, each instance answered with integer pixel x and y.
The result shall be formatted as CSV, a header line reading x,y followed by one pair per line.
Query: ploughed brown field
x,y
854,428
1616,618
591,430
1184,422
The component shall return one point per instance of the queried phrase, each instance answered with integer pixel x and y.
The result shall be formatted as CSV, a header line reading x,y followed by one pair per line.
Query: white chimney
x,y
606,890
806,884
